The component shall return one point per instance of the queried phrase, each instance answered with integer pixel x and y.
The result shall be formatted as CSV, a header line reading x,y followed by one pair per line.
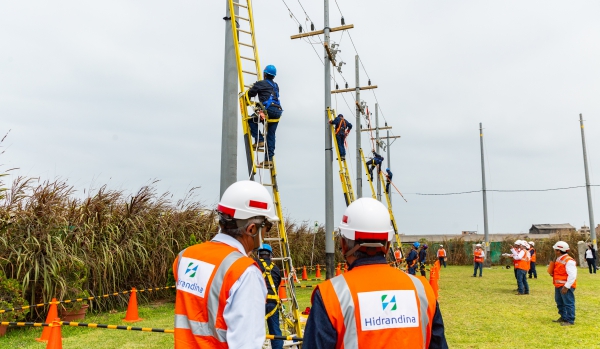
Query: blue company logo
x,y
392,303
191,270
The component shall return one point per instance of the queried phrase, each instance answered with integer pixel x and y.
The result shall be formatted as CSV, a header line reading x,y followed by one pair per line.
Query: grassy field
x,y
478,313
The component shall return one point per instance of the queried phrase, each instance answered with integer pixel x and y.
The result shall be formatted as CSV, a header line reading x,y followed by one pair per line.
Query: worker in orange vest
x,y
221,293
398,255
520,257
564,276
372,305
441,254
478,257
532,260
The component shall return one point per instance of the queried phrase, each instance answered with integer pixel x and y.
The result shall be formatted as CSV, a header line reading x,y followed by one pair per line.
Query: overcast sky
x,y
123,92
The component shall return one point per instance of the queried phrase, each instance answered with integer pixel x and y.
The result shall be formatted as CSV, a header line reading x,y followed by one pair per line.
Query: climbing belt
x,y
248,67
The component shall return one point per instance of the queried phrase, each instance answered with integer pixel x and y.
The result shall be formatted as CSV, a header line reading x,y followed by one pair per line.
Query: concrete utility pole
x,y
229,126
588,188
377,150
358,133
485,215
329,243
389,156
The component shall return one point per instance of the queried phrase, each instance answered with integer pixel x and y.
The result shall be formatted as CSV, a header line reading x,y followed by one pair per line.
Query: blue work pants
x,y
413,270
273,324
274,113
532,271
522,284
565,304
591,264
477,265
340,138
442,261
254,130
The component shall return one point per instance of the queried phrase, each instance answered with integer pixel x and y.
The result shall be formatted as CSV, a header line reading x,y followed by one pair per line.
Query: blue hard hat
x,y
416,244
271,70
265,247
387,169
340,115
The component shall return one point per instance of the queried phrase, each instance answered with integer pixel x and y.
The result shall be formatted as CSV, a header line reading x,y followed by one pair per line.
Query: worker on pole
x,y
267,91
478,258
220,297
388,180
272,276
441,255
342,129
411,259
372,305
375,161
564,277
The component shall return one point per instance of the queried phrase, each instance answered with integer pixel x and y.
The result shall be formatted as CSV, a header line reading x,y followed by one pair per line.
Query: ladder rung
x,y
280,258
240,5
247,45
244,31
273,239
267,185
248,58
249,72
245,19
248,86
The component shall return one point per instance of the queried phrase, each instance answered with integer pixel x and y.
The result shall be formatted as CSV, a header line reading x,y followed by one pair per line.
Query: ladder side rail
x,y
247,135
236,44
255,48
343,180
349,182
362,155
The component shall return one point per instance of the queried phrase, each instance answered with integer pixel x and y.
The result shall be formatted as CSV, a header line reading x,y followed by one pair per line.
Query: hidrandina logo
x,y
193,276
391,303
388,309
192,270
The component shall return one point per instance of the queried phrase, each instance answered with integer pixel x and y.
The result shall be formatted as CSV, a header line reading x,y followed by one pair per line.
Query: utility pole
x,y
485,216
358,123
588,187
389,156
229,136
377,150
329,243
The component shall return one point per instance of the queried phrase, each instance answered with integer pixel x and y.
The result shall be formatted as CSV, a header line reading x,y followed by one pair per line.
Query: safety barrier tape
x,y
117,327
92,325
84,299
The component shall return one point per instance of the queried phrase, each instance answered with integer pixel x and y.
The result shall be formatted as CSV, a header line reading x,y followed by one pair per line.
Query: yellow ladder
x,y
248,65
362,156
344,172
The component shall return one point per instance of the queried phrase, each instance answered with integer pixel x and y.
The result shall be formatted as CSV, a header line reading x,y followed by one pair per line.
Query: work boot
x,y
560,319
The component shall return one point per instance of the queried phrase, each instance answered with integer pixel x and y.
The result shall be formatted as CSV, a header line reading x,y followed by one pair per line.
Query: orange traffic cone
x,y
337,270
132,308
345,267
304,275
282,292
318,274
52,314
55,340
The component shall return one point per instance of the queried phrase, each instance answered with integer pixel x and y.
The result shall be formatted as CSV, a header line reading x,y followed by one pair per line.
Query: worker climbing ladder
x,y
387,197
248,65
344,172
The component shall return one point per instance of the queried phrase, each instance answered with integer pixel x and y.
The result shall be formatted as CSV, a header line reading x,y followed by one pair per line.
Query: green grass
x,y
478,313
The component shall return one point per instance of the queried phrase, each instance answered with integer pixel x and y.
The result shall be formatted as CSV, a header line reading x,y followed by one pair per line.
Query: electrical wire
x,y
505,190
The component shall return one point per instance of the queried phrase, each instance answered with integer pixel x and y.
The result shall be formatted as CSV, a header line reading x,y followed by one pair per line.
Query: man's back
x,y
264,89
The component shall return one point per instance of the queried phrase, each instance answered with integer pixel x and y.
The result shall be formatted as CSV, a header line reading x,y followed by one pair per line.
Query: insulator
x,y
343,21
300,29
312,26
337,87
369,82
346,85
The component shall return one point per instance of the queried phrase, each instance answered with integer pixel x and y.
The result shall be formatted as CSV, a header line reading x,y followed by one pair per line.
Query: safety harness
x,y
274,97
341,127
269,277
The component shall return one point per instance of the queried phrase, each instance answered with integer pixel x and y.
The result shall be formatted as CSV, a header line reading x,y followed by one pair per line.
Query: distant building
x,y
552,229
469,232
584,229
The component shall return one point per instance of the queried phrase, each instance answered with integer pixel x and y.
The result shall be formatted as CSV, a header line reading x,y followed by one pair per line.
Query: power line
x,y
504,191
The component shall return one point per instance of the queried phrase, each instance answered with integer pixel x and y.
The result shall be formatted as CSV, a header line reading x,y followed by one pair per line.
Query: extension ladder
x,y
344,172
246,52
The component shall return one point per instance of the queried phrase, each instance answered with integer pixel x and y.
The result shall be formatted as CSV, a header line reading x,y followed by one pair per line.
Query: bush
x,y
11,296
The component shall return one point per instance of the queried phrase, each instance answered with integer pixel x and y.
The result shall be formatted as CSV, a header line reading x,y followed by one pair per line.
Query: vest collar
x,y
228,240
368,261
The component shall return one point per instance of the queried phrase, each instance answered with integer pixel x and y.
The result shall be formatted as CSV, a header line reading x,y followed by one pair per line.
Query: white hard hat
x,y
518,242
247,199
561,245
367,219
532,243
525,244
441,245
478,245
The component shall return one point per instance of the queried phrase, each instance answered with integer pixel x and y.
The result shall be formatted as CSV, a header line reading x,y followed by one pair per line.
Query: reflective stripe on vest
x,y
424,302
212,302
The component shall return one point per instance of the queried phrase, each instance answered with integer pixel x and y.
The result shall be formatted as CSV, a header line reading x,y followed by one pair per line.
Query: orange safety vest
x,y
559,278
397,254
526,260
442,253
369,312
533,255
204,275
478,256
